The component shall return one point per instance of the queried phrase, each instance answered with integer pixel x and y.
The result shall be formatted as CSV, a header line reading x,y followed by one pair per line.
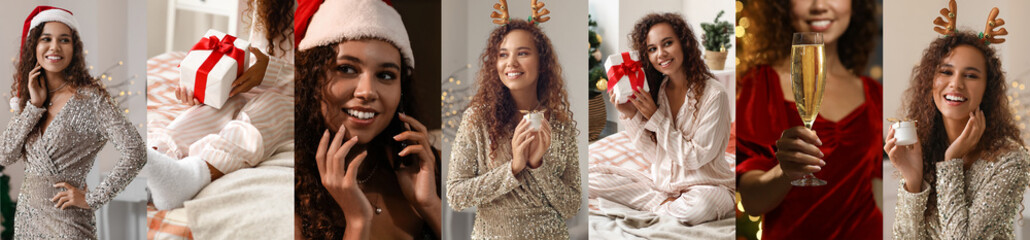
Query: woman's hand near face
x,y
185,96
253,76
969,138
37,89
521,141
798,152
908,160
340,180
543,143
644,103
418,183
70,197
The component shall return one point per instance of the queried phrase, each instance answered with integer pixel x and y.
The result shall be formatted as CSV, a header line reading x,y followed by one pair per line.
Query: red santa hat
x,y
320,23
44,14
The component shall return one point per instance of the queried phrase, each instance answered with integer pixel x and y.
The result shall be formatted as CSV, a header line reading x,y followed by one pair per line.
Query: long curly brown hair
x,y
317,211
771,32
276,18
1001,129
76,74
494,100
693,65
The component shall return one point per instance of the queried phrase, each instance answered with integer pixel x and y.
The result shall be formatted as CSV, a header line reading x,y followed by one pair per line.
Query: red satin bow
x,y
219,48
627,68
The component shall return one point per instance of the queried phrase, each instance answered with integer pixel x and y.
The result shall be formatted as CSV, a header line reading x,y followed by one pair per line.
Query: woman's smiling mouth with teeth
x,y
514,74
54,57
821,23
360,114
954,98
665,63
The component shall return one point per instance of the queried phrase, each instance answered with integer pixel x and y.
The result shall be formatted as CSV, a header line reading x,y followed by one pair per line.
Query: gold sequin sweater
x,y
530,205
981,202
65,152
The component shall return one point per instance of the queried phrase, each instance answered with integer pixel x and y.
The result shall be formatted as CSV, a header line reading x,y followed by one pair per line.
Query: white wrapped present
x,y
212,65
625,75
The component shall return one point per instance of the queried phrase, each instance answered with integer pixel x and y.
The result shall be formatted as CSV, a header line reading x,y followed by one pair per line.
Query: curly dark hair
x,y
494,98
1001,129
771,31
693,65
76,74
276,18
315,208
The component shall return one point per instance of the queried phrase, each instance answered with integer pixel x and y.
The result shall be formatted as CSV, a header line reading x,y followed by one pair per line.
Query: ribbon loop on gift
x,y
219,48
629,68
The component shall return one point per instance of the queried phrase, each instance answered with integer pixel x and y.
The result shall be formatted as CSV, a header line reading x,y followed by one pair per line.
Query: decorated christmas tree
x,y
598,83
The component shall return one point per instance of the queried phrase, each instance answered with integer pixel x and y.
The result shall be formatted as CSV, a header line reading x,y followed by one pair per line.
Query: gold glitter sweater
x,y
979,203
65,153
530,205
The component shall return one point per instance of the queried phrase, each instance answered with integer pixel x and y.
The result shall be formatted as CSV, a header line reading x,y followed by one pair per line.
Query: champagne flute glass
x,y
808,78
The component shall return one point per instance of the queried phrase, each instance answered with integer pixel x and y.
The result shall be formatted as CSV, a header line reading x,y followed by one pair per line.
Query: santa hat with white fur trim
x,y
321,23
44,14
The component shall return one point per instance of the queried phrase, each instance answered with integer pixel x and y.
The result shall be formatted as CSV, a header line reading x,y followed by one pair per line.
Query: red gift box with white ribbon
x,y
625,75
212,65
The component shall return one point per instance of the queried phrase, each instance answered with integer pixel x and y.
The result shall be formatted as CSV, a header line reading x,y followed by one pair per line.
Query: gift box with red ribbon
x,y
212,65
625,75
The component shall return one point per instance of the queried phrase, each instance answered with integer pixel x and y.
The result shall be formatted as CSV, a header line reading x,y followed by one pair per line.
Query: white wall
x,y
567,30
190,27
110,34
907,33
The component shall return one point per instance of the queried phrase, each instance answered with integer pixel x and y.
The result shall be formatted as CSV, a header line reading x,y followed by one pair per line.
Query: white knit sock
x,y
172,182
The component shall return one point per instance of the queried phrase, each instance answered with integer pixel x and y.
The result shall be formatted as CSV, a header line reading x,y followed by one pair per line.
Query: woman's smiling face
x,y
518,61
829,17
54,48
663,49
958,86
363,88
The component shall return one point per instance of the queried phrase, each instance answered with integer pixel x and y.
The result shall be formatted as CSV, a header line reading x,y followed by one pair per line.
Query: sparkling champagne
x,y
808,78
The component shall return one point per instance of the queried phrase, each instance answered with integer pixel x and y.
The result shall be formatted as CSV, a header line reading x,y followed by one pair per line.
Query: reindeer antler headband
x,y
989,35
537,16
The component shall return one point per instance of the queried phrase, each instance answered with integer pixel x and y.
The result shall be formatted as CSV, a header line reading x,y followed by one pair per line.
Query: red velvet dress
x,y
843,209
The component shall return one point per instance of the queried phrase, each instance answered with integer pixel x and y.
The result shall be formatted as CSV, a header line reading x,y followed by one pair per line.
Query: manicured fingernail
x,y
821,154
817,168
398,137
822,163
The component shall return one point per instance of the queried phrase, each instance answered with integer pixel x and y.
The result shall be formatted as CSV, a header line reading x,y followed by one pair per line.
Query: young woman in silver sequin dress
x,y
524,183
966,176
64,117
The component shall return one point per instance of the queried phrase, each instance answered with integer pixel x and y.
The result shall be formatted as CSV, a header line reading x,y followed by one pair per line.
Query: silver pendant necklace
x,y
378,209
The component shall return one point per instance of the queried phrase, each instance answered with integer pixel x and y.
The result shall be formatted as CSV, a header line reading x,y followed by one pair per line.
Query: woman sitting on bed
x,y
365,169
247,130
682,129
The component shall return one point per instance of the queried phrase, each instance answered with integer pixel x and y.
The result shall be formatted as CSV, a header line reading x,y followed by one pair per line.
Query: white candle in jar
x,y
904,133
535,119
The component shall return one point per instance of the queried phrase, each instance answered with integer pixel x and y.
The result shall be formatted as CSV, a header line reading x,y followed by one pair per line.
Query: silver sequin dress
x,y
531,205
979,203
65,153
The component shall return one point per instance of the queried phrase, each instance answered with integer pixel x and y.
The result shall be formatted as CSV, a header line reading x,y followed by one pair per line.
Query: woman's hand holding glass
x,y
798,152
543,142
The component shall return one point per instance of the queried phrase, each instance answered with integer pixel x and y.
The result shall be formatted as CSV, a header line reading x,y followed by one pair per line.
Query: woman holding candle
x,y
965,176
524,182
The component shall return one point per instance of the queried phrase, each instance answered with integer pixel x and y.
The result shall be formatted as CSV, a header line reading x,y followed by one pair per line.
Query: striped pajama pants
x,y
246,130
691,205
